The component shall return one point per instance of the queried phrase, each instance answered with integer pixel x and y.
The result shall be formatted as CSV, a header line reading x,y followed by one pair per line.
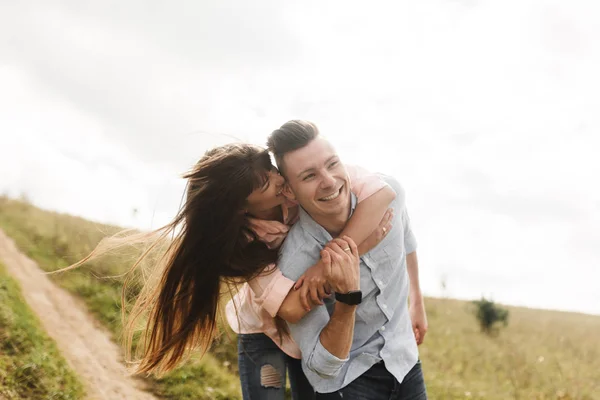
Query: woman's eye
x,y
307,177
333,164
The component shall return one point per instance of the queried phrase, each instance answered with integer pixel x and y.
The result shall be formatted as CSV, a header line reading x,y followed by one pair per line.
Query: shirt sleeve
x,y
399,203
299,252
410,241
364,183
315,357
270,289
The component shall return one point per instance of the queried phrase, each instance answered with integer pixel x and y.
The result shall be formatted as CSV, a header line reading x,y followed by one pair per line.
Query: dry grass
x,y
540,355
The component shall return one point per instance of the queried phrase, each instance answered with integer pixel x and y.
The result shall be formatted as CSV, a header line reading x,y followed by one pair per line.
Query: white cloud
x,y
486,111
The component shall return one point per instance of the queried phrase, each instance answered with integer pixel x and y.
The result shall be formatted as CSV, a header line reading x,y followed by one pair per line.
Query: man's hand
x,y
312,285
418,317
342,272
378,234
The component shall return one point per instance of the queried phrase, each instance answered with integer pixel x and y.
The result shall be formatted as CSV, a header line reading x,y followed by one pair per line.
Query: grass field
x,y
56,240
540,355
30,365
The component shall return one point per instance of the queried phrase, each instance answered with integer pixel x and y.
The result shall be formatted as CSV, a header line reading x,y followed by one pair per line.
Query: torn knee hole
x,y
270,377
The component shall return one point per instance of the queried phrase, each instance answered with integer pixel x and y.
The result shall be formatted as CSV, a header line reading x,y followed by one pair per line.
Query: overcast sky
x,y
486,111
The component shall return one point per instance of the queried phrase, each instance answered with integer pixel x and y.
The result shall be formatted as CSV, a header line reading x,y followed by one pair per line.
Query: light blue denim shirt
x,y
383,329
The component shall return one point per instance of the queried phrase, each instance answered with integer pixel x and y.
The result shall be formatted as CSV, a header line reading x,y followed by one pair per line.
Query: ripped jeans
x,y
263,368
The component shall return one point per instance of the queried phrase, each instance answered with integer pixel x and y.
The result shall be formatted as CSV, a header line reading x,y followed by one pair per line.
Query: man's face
x,y
318,180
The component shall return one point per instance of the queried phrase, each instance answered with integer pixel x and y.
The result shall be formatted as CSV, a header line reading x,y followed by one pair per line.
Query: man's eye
x,y
307,177
333,164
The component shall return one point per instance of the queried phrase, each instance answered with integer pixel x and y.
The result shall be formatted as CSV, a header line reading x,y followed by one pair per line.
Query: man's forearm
x,y
337,335
412,265
418,315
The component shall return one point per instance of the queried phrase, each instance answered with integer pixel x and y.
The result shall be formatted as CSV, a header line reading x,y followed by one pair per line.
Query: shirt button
x,y
384,306
382,328
380,283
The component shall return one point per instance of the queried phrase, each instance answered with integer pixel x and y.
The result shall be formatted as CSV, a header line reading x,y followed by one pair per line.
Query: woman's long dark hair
x,y
211,246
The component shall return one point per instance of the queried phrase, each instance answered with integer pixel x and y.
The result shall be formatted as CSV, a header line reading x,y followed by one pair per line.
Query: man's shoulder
x,y
298,252
400,199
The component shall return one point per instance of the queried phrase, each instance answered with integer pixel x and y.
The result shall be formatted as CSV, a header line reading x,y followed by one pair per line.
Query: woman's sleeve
x,y
364,184
270,289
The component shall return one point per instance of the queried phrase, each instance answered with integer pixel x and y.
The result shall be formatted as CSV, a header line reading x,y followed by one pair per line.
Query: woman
x,y
216,240
264,349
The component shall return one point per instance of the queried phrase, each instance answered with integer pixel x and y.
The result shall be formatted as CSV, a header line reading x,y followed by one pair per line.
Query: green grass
x,y
540,355
31,366
56,240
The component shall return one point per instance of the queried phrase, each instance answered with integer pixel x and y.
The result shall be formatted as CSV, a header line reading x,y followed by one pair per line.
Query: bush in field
x,y
489,314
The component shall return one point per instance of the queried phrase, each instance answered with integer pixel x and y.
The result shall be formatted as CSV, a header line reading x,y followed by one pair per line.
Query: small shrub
x,y
489,314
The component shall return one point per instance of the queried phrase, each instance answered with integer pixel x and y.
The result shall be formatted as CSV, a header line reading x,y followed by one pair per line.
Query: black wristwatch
x,y
351,298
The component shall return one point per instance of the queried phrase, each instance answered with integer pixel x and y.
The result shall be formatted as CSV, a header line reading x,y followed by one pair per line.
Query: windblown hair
x,y
292,135
210,246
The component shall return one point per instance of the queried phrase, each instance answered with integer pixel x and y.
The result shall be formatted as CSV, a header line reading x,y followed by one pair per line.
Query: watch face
x,y
355,297
351,298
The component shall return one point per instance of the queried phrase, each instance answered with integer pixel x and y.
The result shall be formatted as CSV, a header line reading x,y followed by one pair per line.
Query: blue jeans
x,y
379,384
263,367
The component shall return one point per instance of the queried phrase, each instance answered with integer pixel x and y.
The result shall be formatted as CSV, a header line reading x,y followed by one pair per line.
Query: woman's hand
x,y
378,234
312,285
272,233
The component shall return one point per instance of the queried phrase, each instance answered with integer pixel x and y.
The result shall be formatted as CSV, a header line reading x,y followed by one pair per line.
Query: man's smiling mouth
x,y
332,196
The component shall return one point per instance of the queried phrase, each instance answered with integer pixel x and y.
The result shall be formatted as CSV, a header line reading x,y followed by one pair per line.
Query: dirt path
x,y
87,348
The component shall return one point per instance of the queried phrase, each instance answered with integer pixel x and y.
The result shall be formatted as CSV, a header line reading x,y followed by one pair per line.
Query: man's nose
x,y
328,180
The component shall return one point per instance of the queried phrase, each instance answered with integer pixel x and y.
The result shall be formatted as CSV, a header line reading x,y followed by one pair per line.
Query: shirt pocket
x,y
392,247
367,282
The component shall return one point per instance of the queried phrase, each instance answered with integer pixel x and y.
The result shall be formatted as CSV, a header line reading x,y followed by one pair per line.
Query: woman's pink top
x,y
254,307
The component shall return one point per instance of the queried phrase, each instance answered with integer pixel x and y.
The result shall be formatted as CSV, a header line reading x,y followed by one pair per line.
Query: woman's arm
x,y
367,217
373,196
312,287
292,300
369,223
294,307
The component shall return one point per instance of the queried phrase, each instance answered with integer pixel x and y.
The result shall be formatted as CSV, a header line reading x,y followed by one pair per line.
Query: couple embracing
x,y
327,264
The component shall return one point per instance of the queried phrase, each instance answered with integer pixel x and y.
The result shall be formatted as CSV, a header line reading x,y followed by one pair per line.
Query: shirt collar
x,y
317,231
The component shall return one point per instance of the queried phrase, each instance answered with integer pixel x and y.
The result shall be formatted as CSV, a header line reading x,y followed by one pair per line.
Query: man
x,y
360,345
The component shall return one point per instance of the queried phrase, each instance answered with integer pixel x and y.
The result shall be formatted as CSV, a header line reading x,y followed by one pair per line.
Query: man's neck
x,y
334,224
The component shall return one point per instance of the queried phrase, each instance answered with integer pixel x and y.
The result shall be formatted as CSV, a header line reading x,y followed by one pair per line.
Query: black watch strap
x,y
352,298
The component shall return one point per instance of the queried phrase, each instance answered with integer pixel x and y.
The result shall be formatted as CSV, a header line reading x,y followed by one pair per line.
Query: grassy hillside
x,y
540,355
31,366
56,240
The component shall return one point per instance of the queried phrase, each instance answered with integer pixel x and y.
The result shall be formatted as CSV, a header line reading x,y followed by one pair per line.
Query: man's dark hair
x,y
292,135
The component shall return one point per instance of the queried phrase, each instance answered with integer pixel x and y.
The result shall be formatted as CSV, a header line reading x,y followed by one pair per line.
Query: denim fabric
x,y
379,384
256,350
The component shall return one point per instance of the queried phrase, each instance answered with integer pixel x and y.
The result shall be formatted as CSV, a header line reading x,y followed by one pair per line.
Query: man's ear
x,y
287,192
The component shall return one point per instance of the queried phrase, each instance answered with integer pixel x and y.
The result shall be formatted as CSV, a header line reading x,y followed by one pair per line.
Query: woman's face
x,y
268,196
